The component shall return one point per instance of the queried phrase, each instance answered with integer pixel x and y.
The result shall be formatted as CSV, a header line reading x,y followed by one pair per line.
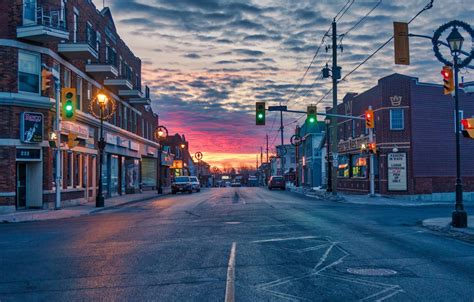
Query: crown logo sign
x,y
396,100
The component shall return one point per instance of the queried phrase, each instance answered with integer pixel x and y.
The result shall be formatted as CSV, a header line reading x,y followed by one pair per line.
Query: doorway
x,y
21,185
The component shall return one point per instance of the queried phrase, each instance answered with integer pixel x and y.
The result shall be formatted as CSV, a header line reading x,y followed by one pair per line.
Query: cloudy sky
x,y
208,61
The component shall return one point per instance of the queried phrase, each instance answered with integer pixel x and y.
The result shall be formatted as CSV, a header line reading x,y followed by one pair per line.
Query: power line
x,y
360,20
345,11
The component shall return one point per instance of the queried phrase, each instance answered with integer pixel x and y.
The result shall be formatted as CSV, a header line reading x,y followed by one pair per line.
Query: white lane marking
x,y
229,288
285,239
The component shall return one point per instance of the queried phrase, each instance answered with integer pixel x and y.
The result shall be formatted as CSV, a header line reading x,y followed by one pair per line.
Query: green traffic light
x,y
69,107
311,120
260,116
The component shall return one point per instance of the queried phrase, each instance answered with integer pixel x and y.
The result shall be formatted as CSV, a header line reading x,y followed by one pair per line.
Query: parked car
x,y
236,183
181,184
252,181
196,185
276,182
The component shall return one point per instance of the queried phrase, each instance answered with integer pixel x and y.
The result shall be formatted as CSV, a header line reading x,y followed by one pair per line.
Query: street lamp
x,y
459,215
327,121
105,108
161,133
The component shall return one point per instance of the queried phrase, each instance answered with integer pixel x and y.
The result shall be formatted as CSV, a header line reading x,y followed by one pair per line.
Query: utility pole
x,y
371,167
335,77
267,149
282,164
261,155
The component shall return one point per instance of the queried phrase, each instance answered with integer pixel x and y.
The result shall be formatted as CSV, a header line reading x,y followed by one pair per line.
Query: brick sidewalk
x,y
75,211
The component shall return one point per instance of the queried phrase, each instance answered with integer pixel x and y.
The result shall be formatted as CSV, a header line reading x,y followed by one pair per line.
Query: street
x,y
242,244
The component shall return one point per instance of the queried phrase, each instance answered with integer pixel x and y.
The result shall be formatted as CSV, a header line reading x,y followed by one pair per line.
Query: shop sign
x,y
166,159
110,139
80,130
177,164
30,154
134,146
31,127
122,142
150,150
352,144
90,143
397,171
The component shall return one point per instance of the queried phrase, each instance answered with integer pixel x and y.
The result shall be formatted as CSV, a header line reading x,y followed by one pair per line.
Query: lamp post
x,y
182,146
327,121
455,41
161,133
459,215
106,108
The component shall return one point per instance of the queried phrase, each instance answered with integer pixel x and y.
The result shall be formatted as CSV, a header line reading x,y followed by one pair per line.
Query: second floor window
x,y
396,119
28,72
79,92
91,35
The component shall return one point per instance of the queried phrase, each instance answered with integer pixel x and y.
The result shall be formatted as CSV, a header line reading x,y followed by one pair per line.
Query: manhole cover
x,y
371,271
232,222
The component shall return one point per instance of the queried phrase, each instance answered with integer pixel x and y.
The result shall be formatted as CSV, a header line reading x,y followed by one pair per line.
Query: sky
x,y
208,61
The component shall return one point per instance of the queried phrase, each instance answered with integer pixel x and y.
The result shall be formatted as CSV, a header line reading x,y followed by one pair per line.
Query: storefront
x,y
120,166
149,168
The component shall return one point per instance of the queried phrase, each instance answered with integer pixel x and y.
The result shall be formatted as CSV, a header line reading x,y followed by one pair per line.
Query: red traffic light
x,y
445,74
467,123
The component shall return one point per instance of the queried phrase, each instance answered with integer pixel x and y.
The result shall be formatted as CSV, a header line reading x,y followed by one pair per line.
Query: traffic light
x,y
468,124
69,99
260,113
312,114
372,148
448,79
369,119
46,78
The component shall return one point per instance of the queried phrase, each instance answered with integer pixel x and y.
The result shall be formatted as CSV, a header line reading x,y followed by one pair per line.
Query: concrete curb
x,y
96,210
443,226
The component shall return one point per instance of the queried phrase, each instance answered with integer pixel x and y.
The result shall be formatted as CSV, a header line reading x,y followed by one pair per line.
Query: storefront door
x,y
21,185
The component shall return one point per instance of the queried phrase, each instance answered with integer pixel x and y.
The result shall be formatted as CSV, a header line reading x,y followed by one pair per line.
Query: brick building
x,y
82,48
415,138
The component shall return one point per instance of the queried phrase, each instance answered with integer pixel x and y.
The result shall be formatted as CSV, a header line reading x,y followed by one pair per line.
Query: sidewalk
x,y
75,211
443,225
364,199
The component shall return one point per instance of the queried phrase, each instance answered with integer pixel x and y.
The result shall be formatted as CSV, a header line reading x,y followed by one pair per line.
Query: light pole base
x,y
99,201
459,219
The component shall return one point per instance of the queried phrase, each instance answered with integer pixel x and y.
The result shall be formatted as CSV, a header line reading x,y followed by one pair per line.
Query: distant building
x,y
311,168
415,138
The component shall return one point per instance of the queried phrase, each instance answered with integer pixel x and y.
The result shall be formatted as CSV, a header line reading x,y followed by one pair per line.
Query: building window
x,y
125,118
97,43
396,119
91,35
343,168
29,12
67,78
56,70
359,166
119,122
74,27
28,72
143,127
89,91
353,128
79,92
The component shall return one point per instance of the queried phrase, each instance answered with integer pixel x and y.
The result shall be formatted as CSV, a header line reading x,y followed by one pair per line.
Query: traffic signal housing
x,y
448,79
311,112
69,100
46,78
260,113
468,124
372,148
369,119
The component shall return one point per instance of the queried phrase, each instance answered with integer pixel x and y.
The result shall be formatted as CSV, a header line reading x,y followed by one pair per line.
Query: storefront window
x,y
359,166
104,174
77,170
69,167
114,175
149,168
131,175
343,168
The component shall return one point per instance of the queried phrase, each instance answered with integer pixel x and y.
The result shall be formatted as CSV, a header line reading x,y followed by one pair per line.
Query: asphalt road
x,y
242,244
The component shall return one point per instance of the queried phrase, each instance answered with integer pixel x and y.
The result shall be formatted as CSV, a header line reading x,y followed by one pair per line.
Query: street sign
x,y
277,108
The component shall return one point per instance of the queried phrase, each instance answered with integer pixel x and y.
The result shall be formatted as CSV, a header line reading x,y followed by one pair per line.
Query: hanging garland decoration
x,y
439,32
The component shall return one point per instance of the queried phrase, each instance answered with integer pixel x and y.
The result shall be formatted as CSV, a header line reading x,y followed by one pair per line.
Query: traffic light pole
x,y
57,202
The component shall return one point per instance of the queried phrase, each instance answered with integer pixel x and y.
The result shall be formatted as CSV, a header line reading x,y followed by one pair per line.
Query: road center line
x,y
229,288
